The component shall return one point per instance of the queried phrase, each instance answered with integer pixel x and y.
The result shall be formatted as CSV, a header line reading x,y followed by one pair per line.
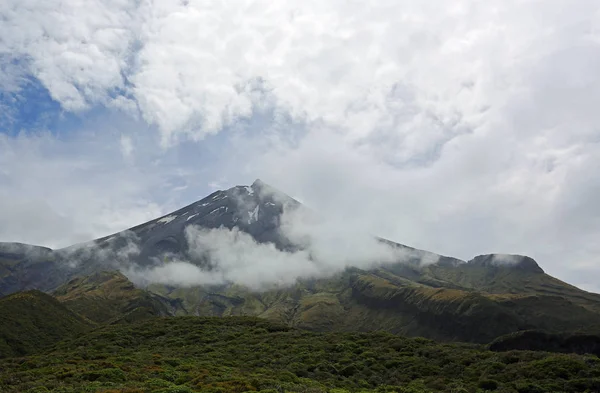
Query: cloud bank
x,y
463,128
230,256
386,68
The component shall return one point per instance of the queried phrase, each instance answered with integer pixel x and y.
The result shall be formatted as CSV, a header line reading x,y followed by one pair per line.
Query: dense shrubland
x,y
191,354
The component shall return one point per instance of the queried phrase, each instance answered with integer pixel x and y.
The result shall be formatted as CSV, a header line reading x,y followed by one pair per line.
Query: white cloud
x,y
463,128
56,193
123,247
78,50
221,256
336,245
484,194
127,147
417,72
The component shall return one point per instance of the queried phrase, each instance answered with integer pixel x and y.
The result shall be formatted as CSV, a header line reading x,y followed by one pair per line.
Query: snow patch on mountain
x,y
253,215
166,220
192,216
217,209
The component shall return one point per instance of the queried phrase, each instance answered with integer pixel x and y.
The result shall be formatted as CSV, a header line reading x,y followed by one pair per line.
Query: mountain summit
x,y
254,209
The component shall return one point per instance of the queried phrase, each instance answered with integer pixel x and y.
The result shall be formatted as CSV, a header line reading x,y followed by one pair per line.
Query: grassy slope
x,y
502,280
33,320
109,296
191,354
384,300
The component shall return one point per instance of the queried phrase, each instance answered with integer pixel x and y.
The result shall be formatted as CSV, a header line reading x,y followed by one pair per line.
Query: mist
x,y
115,252
230,256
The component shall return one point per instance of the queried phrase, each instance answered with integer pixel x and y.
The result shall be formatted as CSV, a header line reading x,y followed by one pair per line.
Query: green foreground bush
x,y
189,354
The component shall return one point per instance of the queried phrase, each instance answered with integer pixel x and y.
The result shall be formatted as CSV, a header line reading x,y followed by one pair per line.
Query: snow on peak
x,y
249,190
166,220
253,215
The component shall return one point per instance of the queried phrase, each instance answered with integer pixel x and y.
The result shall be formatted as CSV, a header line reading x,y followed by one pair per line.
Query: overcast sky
x,y
462,127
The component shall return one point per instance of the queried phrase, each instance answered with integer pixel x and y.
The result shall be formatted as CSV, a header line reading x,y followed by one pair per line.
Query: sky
x,y
463,128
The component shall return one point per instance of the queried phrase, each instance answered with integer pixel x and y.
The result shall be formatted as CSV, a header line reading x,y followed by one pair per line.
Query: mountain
x,y
255,210
418,293
31,321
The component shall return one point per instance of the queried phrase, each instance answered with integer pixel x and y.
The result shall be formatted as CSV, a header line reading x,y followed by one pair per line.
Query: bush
x,y
175,389
105,375
488,384
242,354
528,387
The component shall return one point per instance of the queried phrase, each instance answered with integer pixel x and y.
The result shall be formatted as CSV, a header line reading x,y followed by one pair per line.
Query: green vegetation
x,y
408,301
241,354
109,296
532,340
508,280
134,351
33,320
447,301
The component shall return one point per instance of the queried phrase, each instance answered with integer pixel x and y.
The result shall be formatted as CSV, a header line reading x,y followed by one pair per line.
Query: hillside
x,y
31,321
523,276
190,354
105,297
358,300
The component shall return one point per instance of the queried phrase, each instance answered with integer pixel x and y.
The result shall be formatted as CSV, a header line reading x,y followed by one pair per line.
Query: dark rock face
x,y
509,261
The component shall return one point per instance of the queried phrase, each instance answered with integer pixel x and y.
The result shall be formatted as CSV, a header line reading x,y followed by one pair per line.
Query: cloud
x,y
225,256
463,128
192,67
60,191
78,51
126,147
115,252
483,194
505,259
24,249
335,245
